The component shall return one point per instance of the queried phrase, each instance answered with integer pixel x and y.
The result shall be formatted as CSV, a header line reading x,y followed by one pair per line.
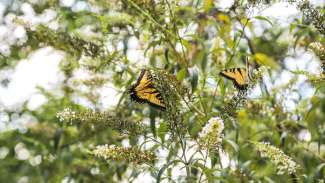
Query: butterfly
x,y
144,91
239,76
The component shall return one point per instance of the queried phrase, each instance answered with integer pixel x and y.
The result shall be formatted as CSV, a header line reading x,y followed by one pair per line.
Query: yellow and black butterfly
x,y
239,76
144,91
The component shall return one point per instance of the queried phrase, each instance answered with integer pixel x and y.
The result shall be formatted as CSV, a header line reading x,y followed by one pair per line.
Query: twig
x,y
176,32
205,161
237,43
150,17
315,154
191,107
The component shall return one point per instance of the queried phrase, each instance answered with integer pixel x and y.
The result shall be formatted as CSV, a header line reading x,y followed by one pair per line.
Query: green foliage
x,y
207,121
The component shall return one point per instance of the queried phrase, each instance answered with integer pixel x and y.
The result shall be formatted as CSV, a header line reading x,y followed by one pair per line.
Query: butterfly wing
x,y
144,91
237,75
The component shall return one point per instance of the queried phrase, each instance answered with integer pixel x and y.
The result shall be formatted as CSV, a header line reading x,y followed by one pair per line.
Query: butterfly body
x,y
145,92
239,76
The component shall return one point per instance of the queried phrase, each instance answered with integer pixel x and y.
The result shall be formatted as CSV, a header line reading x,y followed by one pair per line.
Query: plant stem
x,y
183,146
237,43
205,161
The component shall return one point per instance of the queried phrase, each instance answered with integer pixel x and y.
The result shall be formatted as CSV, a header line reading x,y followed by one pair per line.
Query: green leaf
x,y
221,85
152,116
162,130
232,144
292,26
195,127
245,165
207,5
269,180
181,74
161,171
264,19
207,172
194,79
319,168
263,59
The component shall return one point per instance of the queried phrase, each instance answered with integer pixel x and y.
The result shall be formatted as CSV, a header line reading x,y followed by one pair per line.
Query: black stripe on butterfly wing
x,y
242,77
150,89
134,96
143,71
233,75
157,95
225,73
147,81
135,92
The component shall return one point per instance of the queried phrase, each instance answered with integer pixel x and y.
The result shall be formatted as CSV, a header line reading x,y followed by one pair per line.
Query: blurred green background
x,y
84,55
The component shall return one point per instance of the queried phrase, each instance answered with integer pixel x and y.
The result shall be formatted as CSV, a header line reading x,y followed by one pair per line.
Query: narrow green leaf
x,y
162,130
319,168
232,144
161,171
207,172
263,59
194,79
152,116
264,19
221,85
181,74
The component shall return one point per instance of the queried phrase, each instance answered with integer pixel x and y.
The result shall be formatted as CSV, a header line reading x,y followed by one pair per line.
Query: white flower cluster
x,y
283,162
261,70
128,154
259,73
211,135
66,115
103,151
